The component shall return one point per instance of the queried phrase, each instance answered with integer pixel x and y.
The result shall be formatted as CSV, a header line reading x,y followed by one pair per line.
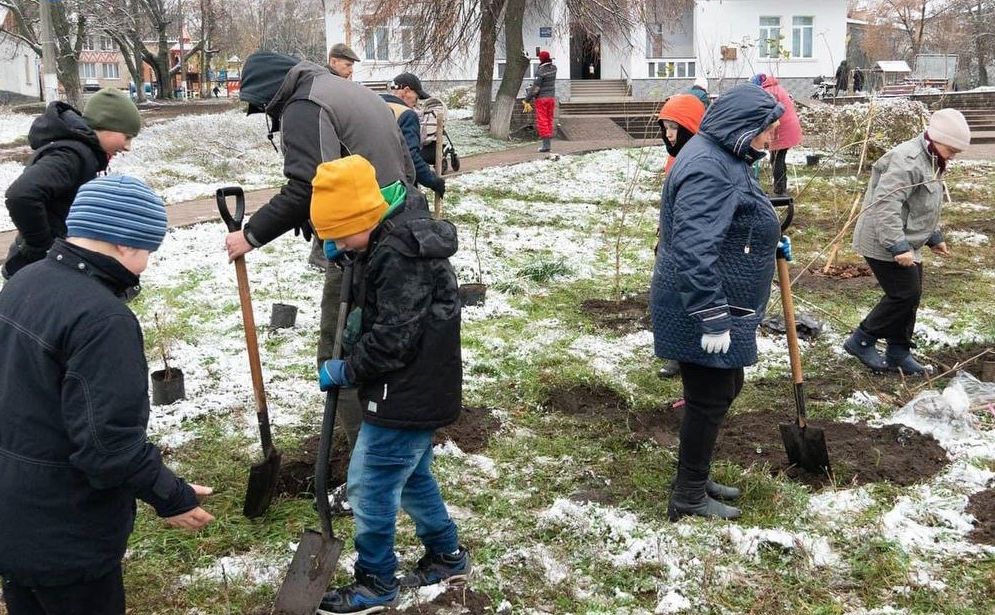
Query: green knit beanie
x,y
111,109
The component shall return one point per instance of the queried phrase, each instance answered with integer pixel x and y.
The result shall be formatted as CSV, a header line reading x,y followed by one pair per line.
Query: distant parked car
x,y
91,85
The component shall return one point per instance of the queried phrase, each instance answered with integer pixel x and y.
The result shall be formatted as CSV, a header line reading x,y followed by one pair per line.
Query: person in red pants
x,y
543,92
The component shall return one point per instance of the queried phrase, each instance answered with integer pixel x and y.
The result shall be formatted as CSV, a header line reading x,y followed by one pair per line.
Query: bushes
x,y
459,97
842,127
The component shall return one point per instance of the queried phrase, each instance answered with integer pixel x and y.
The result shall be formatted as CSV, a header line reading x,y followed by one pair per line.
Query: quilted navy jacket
x,y
718,234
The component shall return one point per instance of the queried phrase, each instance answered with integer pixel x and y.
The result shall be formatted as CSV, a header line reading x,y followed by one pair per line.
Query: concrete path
x,y
196,211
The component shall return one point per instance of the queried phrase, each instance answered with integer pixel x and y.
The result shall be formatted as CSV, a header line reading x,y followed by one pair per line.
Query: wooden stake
x,y
440,135
855,207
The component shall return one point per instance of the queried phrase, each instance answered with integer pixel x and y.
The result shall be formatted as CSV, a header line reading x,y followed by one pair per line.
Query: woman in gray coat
x,y
900,215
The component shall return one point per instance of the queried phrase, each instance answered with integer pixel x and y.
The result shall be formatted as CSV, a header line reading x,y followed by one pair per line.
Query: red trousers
x,y
544,117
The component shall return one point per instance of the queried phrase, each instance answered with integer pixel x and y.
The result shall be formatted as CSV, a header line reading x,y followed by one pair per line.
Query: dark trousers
x,y
708,393
777,161
104,596
349,415
894,317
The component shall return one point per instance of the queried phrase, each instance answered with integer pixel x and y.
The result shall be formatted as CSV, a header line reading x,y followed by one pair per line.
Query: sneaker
x,y
434,568
368,594
338,501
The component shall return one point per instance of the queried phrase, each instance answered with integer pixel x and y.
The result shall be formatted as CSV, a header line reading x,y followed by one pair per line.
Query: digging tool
x,y
804,444
262,475
318,552
439,154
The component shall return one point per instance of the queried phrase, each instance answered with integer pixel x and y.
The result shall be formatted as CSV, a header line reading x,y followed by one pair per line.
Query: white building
x,y
18,65
726,40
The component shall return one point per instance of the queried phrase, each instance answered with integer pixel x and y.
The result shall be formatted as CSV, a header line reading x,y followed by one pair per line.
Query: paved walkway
x,y
196,211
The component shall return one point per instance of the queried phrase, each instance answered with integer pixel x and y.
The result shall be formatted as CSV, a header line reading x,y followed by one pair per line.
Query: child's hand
x,y
201,491
332,373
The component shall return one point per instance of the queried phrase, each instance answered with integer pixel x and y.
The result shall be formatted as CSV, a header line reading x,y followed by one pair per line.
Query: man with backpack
x,y
406,91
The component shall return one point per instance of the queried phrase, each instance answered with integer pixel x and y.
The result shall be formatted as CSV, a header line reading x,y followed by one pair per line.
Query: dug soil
x,y
626,316
859,453
946,358
838,278
982,506
454,601
470,433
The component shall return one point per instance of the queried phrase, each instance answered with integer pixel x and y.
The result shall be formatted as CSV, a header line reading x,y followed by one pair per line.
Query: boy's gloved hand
x,y
784,248
714,343
332,373
331,250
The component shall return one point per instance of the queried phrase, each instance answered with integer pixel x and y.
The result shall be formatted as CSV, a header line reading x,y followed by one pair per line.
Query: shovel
x,y
804,444
318,552
262,475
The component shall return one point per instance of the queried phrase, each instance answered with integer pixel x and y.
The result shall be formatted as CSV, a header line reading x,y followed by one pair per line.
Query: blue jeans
x,y
391,469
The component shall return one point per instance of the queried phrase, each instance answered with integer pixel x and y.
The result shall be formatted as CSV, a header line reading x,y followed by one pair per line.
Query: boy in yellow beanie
x,y
406,363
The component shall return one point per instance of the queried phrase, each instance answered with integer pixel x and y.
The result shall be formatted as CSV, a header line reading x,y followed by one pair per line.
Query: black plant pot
x,y
472,294
812,160
283,316
167,386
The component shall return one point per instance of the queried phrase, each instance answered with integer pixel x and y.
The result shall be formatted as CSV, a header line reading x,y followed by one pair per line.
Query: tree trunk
x,y
485,61
162,73
515,66
67,60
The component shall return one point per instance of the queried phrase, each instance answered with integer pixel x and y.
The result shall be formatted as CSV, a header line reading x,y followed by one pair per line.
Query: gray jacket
x,y
544,85
901,210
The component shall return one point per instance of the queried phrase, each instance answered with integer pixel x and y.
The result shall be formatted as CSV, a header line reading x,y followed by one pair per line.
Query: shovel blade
x,y
262,485
806,447
310,572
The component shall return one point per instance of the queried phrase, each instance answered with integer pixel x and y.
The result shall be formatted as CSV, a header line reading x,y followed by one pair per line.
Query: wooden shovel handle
x,y
252,346
440,127
788,304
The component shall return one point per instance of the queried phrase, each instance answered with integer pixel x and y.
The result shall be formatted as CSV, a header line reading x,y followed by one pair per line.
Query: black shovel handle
x,y
234,223
331,405
784,201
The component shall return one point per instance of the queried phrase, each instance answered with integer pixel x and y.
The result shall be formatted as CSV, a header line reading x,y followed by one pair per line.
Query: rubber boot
x,y
545,146
717,491
861,345
689,498
899,358
670,369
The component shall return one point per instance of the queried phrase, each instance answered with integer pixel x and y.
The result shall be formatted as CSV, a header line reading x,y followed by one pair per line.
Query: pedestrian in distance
x,y
74,407
900,215
858,80
711,281
789,131
405,361
70,149
405,92
320,116
543,93
842,77
679,119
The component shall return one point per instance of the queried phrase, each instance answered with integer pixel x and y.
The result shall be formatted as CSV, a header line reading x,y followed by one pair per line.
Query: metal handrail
x,y
628,79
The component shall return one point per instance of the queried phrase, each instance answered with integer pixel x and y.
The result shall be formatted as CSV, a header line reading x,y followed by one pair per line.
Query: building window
x,y
109,71
29,70
87,70
106,43
672,69
411,34
801,37
88,43
769,43
377,43
654,40
530,72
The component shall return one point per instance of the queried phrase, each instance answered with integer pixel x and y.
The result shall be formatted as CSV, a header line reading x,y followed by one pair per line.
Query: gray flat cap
x,y
341,50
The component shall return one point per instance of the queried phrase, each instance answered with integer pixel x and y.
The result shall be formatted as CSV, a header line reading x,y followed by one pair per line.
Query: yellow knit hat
x,y
345,198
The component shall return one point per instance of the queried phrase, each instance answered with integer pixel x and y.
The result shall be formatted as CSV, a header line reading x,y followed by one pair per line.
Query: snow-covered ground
x,y
14,126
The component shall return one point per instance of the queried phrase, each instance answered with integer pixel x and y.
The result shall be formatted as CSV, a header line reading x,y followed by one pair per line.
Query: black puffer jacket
x,y
407,362
67,155
73,411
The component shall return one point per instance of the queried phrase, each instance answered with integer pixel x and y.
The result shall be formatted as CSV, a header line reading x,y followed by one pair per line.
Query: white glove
x,y
713,343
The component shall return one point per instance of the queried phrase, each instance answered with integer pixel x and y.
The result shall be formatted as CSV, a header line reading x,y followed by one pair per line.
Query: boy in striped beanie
x,y
74,408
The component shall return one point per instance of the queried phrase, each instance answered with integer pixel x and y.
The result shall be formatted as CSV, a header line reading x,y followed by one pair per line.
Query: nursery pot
x,y
283,316
812,159
988,370
167,386
472,294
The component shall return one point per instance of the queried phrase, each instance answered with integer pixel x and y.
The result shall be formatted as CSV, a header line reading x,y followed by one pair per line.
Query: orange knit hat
x,y
345,198
685,109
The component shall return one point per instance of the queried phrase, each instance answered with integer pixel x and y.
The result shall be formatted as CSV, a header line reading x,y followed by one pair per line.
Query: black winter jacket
x,y
407,362
544,85
410,125
67,155
74,407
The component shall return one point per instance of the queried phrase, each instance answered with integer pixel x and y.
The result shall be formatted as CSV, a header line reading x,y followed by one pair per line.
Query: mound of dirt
x,y
946,358
839,277
594,402
982,506
471,433
454,601
626,316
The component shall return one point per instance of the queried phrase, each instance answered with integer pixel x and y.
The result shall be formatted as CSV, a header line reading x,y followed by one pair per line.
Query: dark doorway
x,y
585,53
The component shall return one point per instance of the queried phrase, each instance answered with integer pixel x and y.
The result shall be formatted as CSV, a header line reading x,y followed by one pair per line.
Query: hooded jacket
x,y
410,125
718,233
74,406
789,132
686,111
321,117
407,362
544,85
67,155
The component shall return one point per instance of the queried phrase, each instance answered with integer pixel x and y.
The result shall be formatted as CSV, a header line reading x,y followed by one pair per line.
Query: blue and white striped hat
x,y
118,209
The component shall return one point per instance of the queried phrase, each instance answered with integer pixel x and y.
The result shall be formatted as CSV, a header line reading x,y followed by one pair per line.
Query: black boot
x,y
721,492
900,359
689,498
670,369
861,345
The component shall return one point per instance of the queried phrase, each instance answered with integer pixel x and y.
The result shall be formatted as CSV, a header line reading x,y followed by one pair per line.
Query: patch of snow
x,y
13,126
968,238
672,602
248,568
839,507
611,356
750,541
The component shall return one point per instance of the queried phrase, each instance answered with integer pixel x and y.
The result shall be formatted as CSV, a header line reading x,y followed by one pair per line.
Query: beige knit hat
x,y
948,126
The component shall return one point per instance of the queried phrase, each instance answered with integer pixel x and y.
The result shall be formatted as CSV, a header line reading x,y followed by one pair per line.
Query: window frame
x,y
105,73
769,37
376,43
85,67
798,34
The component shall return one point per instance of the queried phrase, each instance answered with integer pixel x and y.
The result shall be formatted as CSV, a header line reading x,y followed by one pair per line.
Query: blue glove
x,y
332,373
784,248
331,250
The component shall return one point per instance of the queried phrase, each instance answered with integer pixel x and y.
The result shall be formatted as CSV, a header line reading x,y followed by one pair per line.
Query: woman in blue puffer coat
x,y
714,266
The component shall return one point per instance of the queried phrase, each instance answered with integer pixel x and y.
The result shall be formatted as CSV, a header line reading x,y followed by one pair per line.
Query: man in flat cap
x,y
341,57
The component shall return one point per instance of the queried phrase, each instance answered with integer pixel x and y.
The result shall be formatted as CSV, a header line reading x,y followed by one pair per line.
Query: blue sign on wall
x,y
546,32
